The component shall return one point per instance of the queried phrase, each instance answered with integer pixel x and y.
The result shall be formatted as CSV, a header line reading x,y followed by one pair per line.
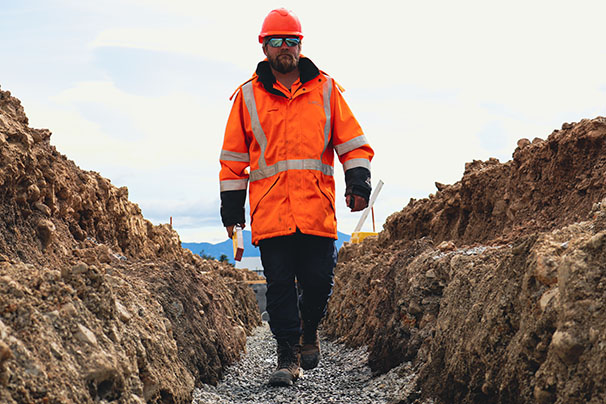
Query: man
x,y
284,124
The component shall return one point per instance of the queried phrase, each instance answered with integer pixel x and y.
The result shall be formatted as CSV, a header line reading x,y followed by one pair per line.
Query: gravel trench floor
x,y
341,377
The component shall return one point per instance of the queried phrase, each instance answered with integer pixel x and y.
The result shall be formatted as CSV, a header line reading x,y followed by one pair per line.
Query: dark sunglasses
x,y
277,42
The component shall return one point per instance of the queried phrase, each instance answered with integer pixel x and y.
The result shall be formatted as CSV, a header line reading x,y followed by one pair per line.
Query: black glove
x,y
232,207
357,182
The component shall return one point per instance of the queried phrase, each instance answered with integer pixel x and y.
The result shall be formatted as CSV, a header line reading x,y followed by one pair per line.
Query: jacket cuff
x,y
357,182
232,207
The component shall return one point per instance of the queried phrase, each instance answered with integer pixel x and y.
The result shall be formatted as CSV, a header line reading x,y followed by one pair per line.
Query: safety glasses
x,y
277,42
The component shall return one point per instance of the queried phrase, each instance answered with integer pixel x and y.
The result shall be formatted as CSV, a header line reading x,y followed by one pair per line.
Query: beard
x,y
284,62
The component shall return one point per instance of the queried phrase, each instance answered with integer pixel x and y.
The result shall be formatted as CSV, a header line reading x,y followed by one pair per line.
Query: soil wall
x,y
96,303
494,286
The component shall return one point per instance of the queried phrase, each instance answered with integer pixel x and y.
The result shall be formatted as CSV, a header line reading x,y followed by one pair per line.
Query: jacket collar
x,y
307,71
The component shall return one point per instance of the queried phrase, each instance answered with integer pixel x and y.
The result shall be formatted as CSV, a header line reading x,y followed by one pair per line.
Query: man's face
x,y
284,58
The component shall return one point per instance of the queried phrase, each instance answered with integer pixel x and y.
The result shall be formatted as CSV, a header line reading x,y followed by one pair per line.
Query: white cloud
x,y
173,126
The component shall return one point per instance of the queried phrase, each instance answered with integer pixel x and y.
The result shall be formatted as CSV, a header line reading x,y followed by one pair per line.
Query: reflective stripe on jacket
x,y
287,139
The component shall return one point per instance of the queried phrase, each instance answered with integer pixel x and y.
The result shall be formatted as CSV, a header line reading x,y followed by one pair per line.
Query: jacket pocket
x,y
254,204
326,187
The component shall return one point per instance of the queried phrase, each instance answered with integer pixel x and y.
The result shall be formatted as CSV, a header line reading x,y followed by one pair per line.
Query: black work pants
x,y
308,259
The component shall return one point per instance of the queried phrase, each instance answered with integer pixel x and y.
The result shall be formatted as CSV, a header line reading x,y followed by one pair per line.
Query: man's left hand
x,y
359,203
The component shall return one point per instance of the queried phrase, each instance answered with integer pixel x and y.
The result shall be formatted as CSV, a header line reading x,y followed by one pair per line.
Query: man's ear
x,y
264,49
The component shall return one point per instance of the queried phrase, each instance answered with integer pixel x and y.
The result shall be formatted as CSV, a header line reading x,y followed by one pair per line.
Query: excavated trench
x,y
490,290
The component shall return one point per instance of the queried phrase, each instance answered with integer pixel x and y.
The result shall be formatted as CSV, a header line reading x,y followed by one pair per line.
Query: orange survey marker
x,y
238,241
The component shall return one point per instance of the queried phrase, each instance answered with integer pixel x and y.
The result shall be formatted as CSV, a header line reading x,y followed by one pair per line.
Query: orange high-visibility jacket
x,y
288,139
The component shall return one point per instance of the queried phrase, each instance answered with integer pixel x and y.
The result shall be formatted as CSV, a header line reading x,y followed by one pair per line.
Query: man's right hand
x,y
230,229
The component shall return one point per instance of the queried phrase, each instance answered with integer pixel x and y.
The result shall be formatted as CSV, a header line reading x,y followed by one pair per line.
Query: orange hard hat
x,y
280,22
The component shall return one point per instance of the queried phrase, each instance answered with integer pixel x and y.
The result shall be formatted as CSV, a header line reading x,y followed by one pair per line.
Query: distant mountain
x,y
226,247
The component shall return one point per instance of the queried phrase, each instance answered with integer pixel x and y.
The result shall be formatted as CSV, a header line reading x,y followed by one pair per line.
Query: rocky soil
x,y
341,377
493,287
96,303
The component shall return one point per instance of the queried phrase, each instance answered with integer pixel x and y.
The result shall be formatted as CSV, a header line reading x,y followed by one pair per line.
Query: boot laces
x,y
287,355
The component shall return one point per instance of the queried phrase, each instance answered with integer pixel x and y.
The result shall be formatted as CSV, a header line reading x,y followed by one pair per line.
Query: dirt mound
x,y
494,286
96,303
548,184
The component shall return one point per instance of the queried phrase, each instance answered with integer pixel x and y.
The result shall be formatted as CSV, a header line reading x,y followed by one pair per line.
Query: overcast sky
x,y
138,90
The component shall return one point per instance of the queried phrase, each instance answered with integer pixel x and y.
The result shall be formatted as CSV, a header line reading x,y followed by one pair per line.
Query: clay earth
x,y
96,303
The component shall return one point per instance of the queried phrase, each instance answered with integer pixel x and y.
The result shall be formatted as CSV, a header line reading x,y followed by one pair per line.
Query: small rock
x,y
566,346
547,297
176,308
168,326
66,272
100,368
33,193
45,230
543,396
55,350
113,334
79,268
593,335
52,316
24,138
104,253
21,198
522,143
42,208
596,207
414,308
5,353
31,369
123,313
546,270
136,399
85,335
499,207
62,193
447,246
68,309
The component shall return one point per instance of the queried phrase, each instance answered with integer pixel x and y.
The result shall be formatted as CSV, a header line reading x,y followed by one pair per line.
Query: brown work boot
x,y
310,348
288,365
